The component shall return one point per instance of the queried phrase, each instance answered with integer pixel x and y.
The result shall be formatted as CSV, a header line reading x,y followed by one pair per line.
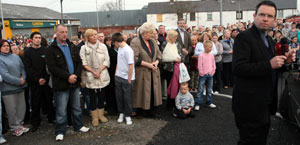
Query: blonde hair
x,y
171,34
208,43
194,37
88,33
146,27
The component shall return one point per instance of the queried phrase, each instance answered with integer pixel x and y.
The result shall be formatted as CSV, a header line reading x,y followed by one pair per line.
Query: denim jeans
x,y
206,80
61,101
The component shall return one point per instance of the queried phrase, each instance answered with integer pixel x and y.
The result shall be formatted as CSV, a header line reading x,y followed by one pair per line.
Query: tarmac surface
x,y
209,127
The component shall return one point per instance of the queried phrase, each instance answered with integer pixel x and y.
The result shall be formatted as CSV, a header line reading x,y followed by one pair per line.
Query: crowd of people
x,y
127,75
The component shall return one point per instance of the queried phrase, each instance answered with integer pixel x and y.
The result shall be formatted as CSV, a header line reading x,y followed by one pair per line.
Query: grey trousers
x,y
123,95
15,108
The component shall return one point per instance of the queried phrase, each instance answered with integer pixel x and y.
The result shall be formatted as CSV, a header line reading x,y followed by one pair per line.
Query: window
x,y
239,15
159,18
280,14
209,16
179,15
192,17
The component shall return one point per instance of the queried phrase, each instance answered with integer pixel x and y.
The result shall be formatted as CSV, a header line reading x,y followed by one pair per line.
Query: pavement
x,y
209,127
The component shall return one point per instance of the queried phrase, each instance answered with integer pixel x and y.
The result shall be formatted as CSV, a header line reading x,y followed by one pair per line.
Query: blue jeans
x,y
61,101
208,81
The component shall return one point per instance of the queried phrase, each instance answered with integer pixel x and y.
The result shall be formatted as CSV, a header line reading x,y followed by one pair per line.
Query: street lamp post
x,y
61,11
221,9
3,32
97,15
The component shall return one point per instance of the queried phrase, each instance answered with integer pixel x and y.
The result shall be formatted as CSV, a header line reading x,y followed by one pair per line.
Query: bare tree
x,y
109,6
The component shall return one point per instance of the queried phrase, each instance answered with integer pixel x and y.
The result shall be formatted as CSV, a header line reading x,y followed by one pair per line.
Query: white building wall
x,y
289,12
170,20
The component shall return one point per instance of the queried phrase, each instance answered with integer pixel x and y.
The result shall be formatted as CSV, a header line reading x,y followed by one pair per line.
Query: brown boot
x,y
101,116
95,120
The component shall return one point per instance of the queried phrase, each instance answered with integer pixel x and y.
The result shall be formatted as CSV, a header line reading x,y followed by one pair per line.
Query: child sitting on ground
x,y
184,102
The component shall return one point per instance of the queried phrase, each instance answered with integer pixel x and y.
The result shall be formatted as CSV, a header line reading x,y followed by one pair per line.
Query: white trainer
x,y
128,120
2,140
121,118
84,129
197,107
212,105
59,137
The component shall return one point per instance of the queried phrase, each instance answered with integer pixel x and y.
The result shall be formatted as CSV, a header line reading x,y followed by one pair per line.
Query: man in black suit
x,y
184,39
254,67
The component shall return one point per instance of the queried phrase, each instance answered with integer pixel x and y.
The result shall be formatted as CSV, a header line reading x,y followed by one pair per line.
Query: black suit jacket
x,y
187,45
254,76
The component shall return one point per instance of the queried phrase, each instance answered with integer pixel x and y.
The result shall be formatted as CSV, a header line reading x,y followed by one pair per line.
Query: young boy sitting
x,y
184,102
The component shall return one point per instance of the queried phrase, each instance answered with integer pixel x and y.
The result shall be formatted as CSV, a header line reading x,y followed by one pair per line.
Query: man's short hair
x,y
117,37
180,19
35,33
161,26
268,3
62,25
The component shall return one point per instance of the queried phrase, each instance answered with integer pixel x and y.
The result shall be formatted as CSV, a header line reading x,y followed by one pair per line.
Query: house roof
x,y
13,11
212,6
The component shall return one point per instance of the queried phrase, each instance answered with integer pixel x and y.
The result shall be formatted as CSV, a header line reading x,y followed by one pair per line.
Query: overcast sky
x,y
70,6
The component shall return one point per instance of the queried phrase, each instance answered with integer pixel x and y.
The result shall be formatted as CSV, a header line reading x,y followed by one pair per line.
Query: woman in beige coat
x,y
95,61
147,87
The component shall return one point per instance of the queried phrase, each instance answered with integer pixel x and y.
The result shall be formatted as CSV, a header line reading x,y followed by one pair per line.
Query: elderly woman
x,y
147,86
95,61
227,43
168,64
13,73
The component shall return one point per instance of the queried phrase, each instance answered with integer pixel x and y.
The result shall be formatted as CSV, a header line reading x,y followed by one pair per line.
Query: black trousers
x,y
170,102
217,77
41,96
228,75
253,132
97,99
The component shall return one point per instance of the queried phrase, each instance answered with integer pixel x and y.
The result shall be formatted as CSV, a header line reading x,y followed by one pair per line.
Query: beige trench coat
x,y
142,85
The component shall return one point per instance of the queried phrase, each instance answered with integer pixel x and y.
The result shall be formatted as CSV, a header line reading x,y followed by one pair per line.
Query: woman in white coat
x,y
95,61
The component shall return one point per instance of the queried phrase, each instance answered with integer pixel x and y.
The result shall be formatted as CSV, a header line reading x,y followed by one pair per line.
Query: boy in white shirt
x,y
124,78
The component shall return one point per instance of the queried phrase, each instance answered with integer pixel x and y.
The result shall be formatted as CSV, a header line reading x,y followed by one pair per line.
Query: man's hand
x,y
291,56
185,52
72,79
277,61
42,81
22,81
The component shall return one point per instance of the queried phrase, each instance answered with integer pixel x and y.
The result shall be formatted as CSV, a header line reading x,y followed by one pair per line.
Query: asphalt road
x,y
209,127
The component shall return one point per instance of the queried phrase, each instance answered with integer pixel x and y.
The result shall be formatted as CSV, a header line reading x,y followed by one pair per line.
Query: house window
x,y
192,17
209,16
279,14
180,16
159,18
239,15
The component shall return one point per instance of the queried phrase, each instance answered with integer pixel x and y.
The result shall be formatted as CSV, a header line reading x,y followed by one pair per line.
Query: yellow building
x,y
20,19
